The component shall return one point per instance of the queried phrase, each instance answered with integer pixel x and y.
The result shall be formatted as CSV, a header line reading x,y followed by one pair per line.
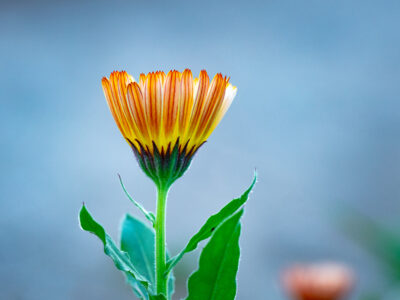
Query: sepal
x,y
164,166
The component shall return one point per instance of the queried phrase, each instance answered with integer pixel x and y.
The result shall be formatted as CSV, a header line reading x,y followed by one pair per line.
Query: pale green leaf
x,y
137,239
139,290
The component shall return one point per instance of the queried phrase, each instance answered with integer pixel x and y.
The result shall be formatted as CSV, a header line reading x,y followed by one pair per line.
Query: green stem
x,y
161,279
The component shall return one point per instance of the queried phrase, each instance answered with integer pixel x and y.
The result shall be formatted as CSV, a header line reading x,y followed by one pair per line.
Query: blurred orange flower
x,y
323,281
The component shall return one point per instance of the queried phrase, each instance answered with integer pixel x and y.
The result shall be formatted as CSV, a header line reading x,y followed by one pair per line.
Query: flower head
x,y
166,118
324,281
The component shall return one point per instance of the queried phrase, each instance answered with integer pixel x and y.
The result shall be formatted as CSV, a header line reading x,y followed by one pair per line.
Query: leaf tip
x,y
82,214
83,211
126,218
255,173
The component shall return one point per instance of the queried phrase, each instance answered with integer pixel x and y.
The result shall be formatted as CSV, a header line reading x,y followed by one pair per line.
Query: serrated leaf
x,y
215,278
212,223
137,239
120,258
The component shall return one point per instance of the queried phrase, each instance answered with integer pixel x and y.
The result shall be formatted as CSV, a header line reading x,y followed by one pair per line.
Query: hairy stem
x,y
161,279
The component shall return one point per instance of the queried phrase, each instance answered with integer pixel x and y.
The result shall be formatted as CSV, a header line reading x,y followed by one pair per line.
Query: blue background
x,y
317,113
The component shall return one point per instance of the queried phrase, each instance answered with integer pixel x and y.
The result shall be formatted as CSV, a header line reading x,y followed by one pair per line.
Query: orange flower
x,y
325,281
166,118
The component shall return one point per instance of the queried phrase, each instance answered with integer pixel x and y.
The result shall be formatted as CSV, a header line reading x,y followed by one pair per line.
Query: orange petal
x,y
136,107
200,97
108,94
214,105
213,100
153,104
186,102
170,103
123,81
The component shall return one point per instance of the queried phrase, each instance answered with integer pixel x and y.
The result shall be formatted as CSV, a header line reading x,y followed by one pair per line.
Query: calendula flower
x,y
324,281
166,118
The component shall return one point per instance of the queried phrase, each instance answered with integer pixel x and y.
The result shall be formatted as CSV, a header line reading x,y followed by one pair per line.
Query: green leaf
x,y
138,288
212,223
137,239
381,241
157,297
120,258
215,278
148,214
171,284
370,296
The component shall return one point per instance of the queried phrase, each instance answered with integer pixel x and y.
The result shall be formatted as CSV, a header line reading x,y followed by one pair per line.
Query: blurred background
x,y
317,113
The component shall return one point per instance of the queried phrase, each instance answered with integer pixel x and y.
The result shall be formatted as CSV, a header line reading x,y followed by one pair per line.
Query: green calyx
x,y
164,166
